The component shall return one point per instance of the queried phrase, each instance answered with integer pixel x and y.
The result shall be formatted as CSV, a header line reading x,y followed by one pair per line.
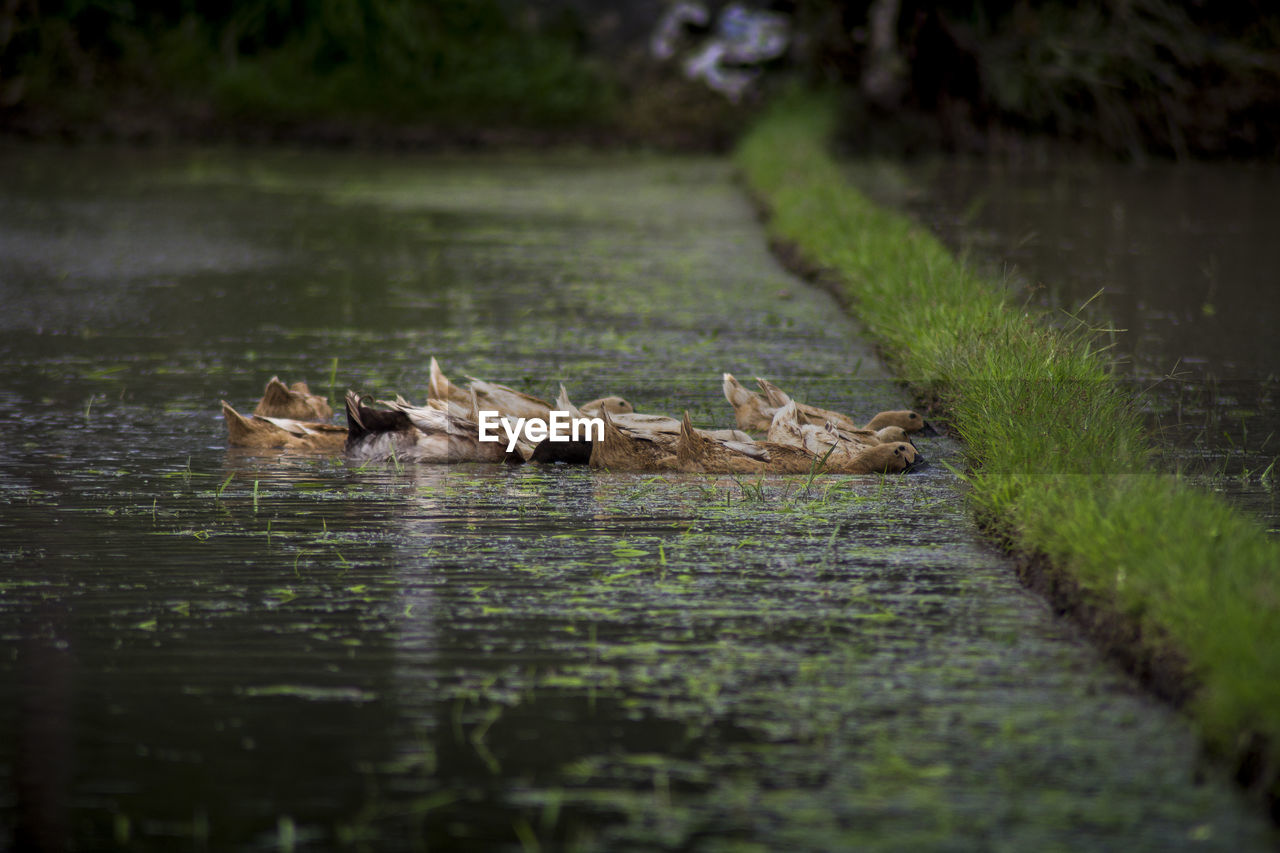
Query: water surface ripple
x,y
211,649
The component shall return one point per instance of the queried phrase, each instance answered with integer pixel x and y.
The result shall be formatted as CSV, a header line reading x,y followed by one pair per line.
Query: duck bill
x,y
919,464
566,452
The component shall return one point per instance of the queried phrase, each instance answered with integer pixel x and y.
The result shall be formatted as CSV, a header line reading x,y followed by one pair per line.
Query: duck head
x,y
893,458
612,405
908,420
892,434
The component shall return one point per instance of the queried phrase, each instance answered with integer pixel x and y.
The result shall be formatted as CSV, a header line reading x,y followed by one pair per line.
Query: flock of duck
x,y
797,438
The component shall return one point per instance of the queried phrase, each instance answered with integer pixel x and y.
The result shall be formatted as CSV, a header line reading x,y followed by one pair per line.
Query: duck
x,y
295,402
754,412
658,431
440,388
265,432
838,451
614,405
698,453
790,427
621,451
693,451
662,424
575,451
776,399
479,395
751,411
903,419
629,420
508,402
890,458
415,434
489,395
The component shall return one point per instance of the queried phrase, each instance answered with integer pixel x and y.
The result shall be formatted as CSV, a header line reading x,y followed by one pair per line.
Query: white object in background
x,y
665,38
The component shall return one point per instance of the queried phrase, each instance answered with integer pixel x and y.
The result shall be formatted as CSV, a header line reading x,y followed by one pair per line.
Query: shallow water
x,y
1182,261
211,649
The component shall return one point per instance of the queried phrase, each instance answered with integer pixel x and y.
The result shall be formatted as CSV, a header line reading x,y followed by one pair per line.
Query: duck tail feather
x,y
613,436
355,425
564,404
734,392
788,415
275,396
691,442
772,393
438,385
237,425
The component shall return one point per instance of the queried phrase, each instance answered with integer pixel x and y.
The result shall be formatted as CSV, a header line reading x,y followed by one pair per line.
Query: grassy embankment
x,y
1180,584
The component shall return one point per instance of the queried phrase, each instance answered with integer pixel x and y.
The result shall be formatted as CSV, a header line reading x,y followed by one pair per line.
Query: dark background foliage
x,y
1137,77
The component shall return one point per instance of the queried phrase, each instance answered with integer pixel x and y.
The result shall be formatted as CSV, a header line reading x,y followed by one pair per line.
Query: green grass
x,y
1058,460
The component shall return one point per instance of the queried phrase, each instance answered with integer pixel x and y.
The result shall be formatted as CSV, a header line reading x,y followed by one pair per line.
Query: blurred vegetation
x,y
281,61
1146,74
1138,77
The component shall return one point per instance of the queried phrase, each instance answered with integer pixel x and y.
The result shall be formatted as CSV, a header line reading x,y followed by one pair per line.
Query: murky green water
x,y
209,649
1182,260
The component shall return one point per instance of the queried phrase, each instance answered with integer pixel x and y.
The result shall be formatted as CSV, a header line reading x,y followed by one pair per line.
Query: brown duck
x,y
292,401
415,434
755,412
265,432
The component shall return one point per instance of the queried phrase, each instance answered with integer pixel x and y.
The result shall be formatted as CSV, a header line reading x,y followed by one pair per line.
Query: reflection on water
x,y
214,649
1183,259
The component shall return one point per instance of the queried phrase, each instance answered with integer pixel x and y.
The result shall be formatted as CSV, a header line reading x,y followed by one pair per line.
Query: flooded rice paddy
x,y
208,649
1181,260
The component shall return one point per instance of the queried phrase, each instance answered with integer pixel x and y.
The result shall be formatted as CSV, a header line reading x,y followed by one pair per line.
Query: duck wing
x,y
509,401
